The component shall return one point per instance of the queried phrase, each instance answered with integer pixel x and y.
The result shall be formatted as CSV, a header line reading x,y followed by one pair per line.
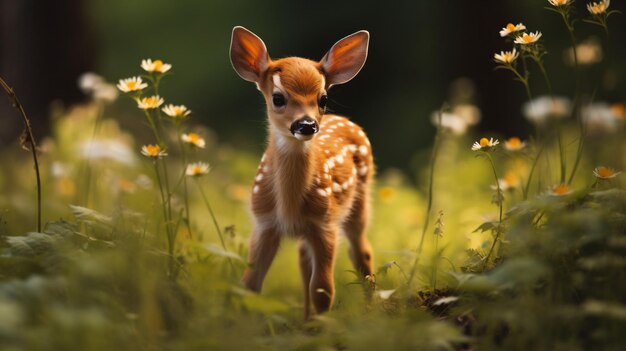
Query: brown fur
x,y
308,189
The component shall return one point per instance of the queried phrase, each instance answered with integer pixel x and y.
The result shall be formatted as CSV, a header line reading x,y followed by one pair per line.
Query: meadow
x,y
498,242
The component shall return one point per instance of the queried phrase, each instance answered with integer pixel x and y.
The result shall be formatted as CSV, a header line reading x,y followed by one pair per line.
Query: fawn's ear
x,y
248,54
346,58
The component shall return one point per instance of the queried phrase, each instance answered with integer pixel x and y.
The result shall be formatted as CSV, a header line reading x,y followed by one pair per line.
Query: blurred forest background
x,y
417,50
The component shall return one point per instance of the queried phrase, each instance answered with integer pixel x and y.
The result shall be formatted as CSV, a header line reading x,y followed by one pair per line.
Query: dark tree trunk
x,y
44,47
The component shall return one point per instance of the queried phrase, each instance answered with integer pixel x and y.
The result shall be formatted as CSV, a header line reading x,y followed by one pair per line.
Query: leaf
x,y
497,197
87,215
491,225
219,251
31,244
257,303
514,272
62,228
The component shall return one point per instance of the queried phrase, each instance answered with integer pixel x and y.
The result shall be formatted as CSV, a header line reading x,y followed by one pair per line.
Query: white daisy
x,y
150,102
176,110
605,173
155,66
197,169
194,139
598,8
131,84
528,38
512,28
506,56
484,143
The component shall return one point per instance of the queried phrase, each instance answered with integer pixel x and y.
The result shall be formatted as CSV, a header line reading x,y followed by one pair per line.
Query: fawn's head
x,y
295,88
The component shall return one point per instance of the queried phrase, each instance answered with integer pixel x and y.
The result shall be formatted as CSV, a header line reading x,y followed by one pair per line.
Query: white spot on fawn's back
x,y
336,187
363,150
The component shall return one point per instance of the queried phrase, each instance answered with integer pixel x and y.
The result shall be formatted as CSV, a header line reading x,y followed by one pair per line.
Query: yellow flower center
x,y
528,38
193,137
510,27
598,8
561,189
605,172
484,142
514,142
153,150
197,170
619,110
511,179
131,85
158,64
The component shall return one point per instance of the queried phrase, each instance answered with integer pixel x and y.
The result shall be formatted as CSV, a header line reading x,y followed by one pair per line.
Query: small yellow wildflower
x,y
155,66
197,169
176,111
559,3
193,139
605,173
528,38
153,151
514,144
131,84
512,28
151,102
561,190
598,8
506,56
484,143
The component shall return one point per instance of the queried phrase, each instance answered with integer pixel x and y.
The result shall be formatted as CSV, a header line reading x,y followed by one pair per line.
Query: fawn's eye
x,y
278,99
323,100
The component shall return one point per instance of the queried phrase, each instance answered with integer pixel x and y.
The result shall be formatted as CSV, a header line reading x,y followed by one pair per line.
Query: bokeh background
x,y
422,53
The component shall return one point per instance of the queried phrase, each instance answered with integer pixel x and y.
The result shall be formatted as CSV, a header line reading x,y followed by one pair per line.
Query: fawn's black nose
x,y
305,126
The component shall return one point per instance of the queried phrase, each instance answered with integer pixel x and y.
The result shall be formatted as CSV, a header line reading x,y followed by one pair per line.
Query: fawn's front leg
x,y
321,287
306,271
263,247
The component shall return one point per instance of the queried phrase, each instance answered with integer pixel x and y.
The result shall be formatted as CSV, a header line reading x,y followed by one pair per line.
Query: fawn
x,y
313,180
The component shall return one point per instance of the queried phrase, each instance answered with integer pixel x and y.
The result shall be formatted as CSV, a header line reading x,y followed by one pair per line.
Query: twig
x,y
31,141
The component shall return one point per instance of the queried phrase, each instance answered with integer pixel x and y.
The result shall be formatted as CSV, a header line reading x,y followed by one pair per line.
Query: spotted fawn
x,y
314,178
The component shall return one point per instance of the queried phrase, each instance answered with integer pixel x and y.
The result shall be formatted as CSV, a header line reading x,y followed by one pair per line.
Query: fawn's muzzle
x,y
304,128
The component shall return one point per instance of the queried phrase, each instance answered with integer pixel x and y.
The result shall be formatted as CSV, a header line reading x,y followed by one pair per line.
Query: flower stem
x,y
435,263
577,96
217,226
532,171
153,126
499,228
183,152
433,159
168,229
31,140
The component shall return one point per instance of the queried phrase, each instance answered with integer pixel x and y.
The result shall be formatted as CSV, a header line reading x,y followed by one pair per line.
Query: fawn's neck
x,y
293,164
